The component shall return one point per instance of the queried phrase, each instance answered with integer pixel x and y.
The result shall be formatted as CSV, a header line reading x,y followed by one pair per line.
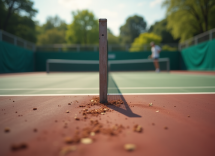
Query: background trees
x,y
144,39
12,22
187,18
184,19
84,29
160,29
112,39
52,32
133,27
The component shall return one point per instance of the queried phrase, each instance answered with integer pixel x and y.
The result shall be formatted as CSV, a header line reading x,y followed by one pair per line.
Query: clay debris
x,y
87,134
95,127
129,147
86,140
67,149
20,146
138,128
166,128
7,130
100,111
76,118
68,140
95,102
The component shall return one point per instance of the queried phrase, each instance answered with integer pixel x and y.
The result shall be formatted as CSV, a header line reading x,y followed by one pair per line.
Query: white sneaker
x,y
157,70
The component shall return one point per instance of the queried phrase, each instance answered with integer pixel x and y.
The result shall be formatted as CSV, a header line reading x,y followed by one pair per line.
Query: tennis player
x,y
155,55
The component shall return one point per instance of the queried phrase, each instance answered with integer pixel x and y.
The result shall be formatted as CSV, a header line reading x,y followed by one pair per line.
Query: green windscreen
x,y
200,57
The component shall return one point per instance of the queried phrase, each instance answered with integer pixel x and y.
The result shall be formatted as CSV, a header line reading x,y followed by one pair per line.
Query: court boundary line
x,y
127,88
188,93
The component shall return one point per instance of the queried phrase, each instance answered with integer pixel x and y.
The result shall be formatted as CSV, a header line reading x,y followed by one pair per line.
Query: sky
x,y
115,11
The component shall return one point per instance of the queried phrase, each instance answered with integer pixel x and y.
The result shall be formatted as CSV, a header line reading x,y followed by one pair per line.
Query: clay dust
x,y
87,134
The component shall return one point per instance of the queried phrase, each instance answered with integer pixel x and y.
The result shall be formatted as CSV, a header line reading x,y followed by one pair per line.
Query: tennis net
x,y
60,65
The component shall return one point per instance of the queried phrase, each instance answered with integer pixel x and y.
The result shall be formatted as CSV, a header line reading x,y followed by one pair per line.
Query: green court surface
x,y
119,83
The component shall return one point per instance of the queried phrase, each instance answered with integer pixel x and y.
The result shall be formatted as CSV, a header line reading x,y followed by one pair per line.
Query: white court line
x,y
165,87
200,87
188,93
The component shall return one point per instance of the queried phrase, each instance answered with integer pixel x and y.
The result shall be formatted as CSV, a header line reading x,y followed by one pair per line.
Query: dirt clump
x,y
20,146
166,128
76,118
67,149
88,134
138,128
86,140
6,130
129,147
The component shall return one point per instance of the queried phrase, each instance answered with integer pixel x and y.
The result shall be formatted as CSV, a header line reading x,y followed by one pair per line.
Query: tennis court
x,y
181,114
131,112
86,83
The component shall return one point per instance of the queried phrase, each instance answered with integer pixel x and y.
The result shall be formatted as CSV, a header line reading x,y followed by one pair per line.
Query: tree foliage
x,y
144,39
12,21
112,39
51,36
52,32
133,27
187,18
16,6
169,48
84,29
160,29
54,22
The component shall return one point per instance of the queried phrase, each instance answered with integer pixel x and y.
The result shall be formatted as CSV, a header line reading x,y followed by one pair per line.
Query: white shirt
x,y
155,51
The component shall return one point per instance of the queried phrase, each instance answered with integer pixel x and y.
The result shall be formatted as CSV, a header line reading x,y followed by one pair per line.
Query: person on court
x,y
155,55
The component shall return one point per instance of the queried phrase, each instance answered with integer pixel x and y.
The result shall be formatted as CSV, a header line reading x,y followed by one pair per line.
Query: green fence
x,y
199,57
15,59
41,57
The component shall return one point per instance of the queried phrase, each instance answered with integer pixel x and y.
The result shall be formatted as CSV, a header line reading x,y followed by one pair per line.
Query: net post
x,y
103,60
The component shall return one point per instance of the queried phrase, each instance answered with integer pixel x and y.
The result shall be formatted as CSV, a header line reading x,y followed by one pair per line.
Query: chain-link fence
x,y
206,36
111,47
7,37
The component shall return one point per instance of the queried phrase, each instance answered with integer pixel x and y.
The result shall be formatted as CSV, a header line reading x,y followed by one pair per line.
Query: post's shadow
x,y
113,89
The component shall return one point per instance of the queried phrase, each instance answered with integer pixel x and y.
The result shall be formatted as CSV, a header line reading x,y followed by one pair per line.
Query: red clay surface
x,y
184,125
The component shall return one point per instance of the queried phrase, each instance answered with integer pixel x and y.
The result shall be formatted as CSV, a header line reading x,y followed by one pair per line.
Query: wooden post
x,y
103,60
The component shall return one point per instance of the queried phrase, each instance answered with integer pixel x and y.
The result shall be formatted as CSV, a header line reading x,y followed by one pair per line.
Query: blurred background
x,y
68,29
